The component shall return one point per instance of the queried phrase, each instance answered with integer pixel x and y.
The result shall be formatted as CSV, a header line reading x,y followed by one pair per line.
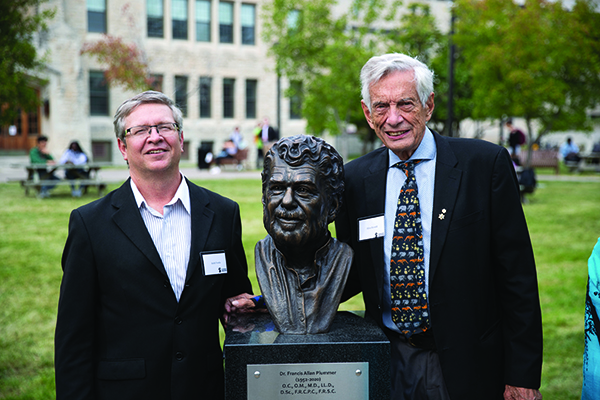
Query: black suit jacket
x,y
121,334
483,294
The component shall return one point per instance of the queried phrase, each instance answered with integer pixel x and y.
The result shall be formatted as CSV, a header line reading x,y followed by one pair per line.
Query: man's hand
x,y
240,304
517,393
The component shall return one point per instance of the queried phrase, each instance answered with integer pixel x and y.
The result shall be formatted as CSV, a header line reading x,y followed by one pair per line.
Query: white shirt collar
x,y
183,194
425,151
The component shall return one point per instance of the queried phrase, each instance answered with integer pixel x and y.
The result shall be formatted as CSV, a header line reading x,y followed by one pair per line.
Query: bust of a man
x,y
300,268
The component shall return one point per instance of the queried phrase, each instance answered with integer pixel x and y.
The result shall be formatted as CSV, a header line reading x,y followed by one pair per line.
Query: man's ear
x,y
367,113
122,148
334,207
430,104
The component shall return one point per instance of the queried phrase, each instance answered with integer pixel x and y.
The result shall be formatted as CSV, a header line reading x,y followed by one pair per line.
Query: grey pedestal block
x,y
254,340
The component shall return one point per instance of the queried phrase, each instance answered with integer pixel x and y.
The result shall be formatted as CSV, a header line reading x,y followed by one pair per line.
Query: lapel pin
x,y
443,214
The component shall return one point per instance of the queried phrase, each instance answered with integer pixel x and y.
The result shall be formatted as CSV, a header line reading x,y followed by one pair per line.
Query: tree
x,y
538,61
126,63
20,63
326,53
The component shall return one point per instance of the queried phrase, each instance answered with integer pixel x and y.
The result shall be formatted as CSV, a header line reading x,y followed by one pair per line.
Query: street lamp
x,y
452,49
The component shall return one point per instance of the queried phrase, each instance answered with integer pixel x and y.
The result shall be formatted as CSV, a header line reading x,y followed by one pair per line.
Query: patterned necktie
x,y
407,268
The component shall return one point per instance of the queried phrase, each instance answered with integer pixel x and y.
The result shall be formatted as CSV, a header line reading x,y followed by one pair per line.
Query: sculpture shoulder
x,y
340,248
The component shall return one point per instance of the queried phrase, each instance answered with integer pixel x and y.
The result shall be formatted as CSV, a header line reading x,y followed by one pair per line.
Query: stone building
x,y
207,55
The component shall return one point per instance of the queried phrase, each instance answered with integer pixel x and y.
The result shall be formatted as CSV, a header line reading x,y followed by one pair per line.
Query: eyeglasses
x,y
166,129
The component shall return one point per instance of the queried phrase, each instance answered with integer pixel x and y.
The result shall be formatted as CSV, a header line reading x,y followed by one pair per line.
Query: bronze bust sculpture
x,y
300,268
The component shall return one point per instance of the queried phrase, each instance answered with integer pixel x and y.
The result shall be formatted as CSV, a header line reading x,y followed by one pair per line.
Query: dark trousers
x,y
416,373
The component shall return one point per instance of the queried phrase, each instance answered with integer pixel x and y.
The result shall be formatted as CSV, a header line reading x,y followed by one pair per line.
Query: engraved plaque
x,y
331,381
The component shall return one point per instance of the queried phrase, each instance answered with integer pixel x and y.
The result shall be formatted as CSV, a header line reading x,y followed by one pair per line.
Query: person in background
x,y
516,138
74,155
147,272
265,138
229,150
443,256
237,138
569,151
591,354
40,155
259,145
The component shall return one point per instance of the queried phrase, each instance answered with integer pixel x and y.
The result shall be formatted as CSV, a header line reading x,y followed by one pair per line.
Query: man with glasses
x,y
147,271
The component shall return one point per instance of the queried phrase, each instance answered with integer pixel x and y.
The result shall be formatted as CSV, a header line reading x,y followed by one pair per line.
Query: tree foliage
x,y
20,62
538,61
125,63
326,53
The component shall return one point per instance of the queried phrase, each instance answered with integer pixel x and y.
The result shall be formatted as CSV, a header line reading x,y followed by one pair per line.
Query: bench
x,y
34,182
237,160
37,185
541,159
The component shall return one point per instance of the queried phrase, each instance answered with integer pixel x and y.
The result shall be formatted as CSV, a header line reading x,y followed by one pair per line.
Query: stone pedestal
x,y
351,361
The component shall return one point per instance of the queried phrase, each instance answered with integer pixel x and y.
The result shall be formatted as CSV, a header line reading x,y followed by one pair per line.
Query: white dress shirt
x,y
170,232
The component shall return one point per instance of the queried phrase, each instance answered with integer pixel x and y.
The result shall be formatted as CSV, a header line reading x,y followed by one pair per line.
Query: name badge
x,y
371,227
214,263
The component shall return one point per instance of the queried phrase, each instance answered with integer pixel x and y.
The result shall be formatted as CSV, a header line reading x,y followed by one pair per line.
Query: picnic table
x,y
36,176
589,162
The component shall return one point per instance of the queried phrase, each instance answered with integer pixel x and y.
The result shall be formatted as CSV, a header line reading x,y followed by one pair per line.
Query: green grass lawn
x,y
563,219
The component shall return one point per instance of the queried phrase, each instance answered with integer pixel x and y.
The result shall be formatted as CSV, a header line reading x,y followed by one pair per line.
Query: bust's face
x,y
295,210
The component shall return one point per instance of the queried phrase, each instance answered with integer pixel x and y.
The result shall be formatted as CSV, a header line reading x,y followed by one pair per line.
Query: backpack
x,y
521,137
527,180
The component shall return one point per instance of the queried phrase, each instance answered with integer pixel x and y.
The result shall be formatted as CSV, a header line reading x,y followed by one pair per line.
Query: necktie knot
x,y
408,167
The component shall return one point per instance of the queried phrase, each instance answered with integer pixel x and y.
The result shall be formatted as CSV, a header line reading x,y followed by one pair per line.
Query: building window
x,y
96,11
251,85
98,93
205,96
155,18
248,23
157,82
228,97
225,22
26,124
203,20
181,93
296,100
101,151
33,123
179,12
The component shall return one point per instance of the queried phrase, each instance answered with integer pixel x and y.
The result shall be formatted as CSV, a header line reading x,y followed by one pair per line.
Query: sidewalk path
x,y
120,174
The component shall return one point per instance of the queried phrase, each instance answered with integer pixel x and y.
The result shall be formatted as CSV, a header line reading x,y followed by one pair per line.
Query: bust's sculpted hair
x,y
300,149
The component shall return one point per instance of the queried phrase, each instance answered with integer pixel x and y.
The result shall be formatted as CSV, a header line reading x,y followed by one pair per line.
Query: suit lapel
x,y
447,182
128,218
374,186
202,218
